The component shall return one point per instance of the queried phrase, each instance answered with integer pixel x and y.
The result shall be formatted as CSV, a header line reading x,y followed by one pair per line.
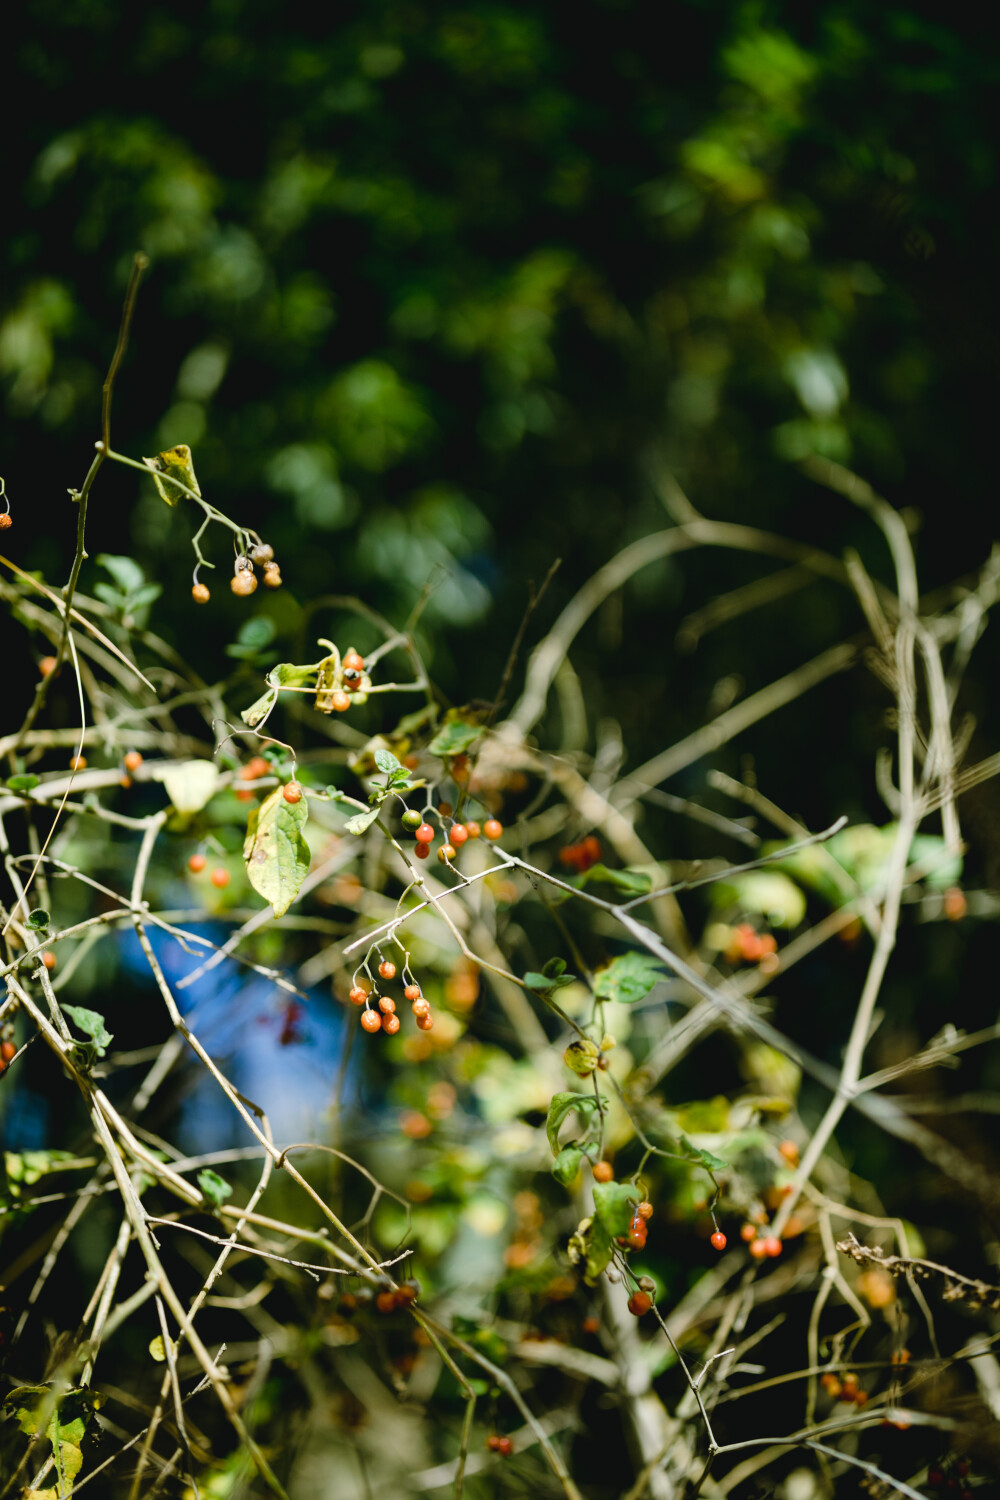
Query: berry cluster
x,y
385,1018
386,1299
219,877
761,1246
8,1051
844,1388
244,579
582,856
338,686
747,945
948,1476
456,834
501,1445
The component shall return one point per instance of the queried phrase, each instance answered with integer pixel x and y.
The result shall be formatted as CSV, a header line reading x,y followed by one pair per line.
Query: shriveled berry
x,y
390,1024
644,1209
243,583
603,1171
639,1304
424,834
292,792
421,1007
425,1023
473,829
411,818
200,593
262,553
387,969
386,1004
371,1020
197,863
358,995
220,878
132,760
446,853
6,521
272,576
341,701
493,828
718,1240
412,992
49,959
458,834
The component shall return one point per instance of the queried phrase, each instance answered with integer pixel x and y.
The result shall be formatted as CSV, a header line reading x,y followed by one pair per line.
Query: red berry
x,y
387,969
412,992
386,1004
255,768
421,1007
718,1240
8,1051
425,1022
292,793
590,1325
459,834
371,1020
424,834
446,853
492,1441
422,851
390,1024
220,878
772,1245
493,828
636,1237
644,1209
505,1447
935,1478
603,1171
473,829
639,1304
200,593
197,863
132,760
358,996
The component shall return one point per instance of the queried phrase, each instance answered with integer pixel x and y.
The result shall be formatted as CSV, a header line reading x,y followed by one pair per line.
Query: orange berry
x,y
78,763
358,995
446,853
341,701
473,829
445,809
639,1304
8,1051
47,665
458,834
292,793
220,878
955,904
386,1004
718,1240
387,969
49,959
493,828
200,593
386,1302
425,1023
243,583
412,992
790,1151
6,522
411,761
197,863
390,1024
243,794
590,1325
603,1171
772,1245
371,1020
644,1209
255,768
352,658
758,1249
421,1007
272,576
748,1232
132,760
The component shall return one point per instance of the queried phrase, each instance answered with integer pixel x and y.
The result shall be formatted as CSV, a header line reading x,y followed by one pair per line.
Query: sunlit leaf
x,y
189,784
276,853
628,978
175,462
215,1188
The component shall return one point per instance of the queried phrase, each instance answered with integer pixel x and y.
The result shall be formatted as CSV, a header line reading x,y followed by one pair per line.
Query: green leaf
x,y
554,968
215,1188
190,784
567,1164
706,1159
614,1206
91,1023
25,1168
543,983
387,762
631,882
39,919
275,850
628,978
361,821
124,570
62,1418
461,729
175,462
22,783
769,892
561,1106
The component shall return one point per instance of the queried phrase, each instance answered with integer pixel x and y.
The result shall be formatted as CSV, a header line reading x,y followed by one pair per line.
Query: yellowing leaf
x,y
276,851
189,783
177,463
